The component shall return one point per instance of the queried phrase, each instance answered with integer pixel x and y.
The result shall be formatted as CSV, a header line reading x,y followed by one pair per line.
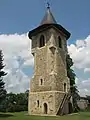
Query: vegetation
x,y
88,98
71,75
15,102
11,102
2,73
24,116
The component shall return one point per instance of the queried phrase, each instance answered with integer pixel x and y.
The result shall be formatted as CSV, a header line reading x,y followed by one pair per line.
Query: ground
x,y
24,116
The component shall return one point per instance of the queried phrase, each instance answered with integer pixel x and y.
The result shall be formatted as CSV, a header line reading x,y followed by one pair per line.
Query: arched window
x,y
64,87
42,41
59,42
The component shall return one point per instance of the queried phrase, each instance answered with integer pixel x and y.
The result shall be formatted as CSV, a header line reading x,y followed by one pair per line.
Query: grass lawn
x,y
24,116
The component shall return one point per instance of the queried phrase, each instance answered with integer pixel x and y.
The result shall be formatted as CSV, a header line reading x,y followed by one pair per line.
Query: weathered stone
x,y
49,83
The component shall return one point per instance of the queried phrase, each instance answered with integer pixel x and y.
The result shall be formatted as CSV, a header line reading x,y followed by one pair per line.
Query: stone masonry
x,y
49,83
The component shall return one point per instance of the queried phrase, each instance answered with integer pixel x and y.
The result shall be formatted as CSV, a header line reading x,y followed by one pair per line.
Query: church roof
x,y
48,18
48,22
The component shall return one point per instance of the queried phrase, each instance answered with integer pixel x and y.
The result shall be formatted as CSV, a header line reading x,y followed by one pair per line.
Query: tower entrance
x,y
45,108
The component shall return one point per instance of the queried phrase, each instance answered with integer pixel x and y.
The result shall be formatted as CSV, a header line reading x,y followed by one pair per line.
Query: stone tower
x,y
49,85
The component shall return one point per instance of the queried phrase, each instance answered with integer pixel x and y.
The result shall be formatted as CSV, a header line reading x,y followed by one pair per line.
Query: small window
x,y
42,41
64,87
37,103
41,81
59,42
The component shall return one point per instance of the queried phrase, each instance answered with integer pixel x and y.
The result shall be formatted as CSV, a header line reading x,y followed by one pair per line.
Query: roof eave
x,y
45,26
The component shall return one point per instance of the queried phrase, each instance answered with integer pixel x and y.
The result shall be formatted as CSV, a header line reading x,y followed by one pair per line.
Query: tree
x,y
88,98
15,102
71,75
2,73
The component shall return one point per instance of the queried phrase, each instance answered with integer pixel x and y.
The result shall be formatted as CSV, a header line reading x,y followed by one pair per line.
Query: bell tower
x,y
49,84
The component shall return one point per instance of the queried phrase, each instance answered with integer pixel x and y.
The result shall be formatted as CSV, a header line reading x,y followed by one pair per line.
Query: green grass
x,y
24,116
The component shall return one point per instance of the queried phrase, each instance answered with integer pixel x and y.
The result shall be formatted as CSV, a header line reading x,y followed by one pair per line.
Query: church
x,y
49,87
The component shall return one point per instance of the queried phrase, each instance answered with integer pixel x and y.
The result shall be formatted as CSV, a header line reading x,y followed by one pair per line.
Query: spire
x,y
48,18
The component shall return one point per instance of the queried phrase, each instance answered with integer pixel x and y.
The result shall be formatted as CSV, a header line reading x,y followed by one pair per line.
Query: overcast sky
x,y
17,17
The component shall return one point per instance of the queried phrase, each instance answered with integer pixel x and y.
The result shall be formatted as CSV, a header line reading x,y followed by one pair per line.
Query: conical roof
x,y
48,18
47,22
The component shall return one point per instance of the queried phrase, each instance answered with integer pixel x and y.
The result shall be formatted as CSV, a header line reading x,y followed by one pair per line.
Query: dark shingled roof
x,y
48,18
47,22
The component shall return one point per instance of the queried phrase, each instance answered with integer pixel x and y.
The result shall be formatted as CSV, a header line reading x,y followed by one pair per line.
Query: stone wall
x,y
82,104
43,97
53,100
50,66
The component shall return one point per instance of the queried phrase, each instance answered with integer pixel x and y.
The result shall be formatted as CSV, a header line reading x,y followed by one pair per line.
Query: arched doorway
x,y
45,108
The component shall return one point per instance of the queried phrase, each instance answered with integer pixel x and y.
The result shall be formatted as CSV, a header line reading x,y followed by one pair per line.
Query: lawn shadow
x,y
3,115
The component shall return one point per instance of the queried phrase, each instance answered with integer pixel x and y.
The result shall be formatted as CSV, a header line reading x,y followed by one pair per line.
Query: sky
x,y
18,17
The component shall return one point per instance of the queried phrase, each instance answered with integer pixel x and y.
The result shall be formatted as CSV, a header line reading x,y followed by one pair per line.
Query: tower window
x,y
64,87
41,81
37,103
42,41
59,42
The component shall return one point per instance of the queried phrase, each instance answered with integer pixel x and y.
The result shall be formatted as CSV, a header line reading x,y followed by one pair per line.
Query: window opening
x,y
60,42
42,41
37,103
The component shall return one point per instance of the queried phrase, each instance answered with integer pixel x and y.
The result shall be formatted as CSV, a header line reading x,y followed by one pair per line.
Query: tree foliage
x,y
88,98
71,75
15,102
70,72
2,74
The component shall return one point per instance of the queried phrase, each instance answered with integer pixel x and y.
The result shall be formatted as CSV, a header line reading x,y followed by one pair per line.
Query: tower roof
x,y
48,18
48,22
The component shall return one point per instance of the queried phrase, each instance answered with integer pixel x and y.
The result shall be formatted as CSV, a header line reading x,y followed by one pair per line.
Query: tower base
x,y
46,103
